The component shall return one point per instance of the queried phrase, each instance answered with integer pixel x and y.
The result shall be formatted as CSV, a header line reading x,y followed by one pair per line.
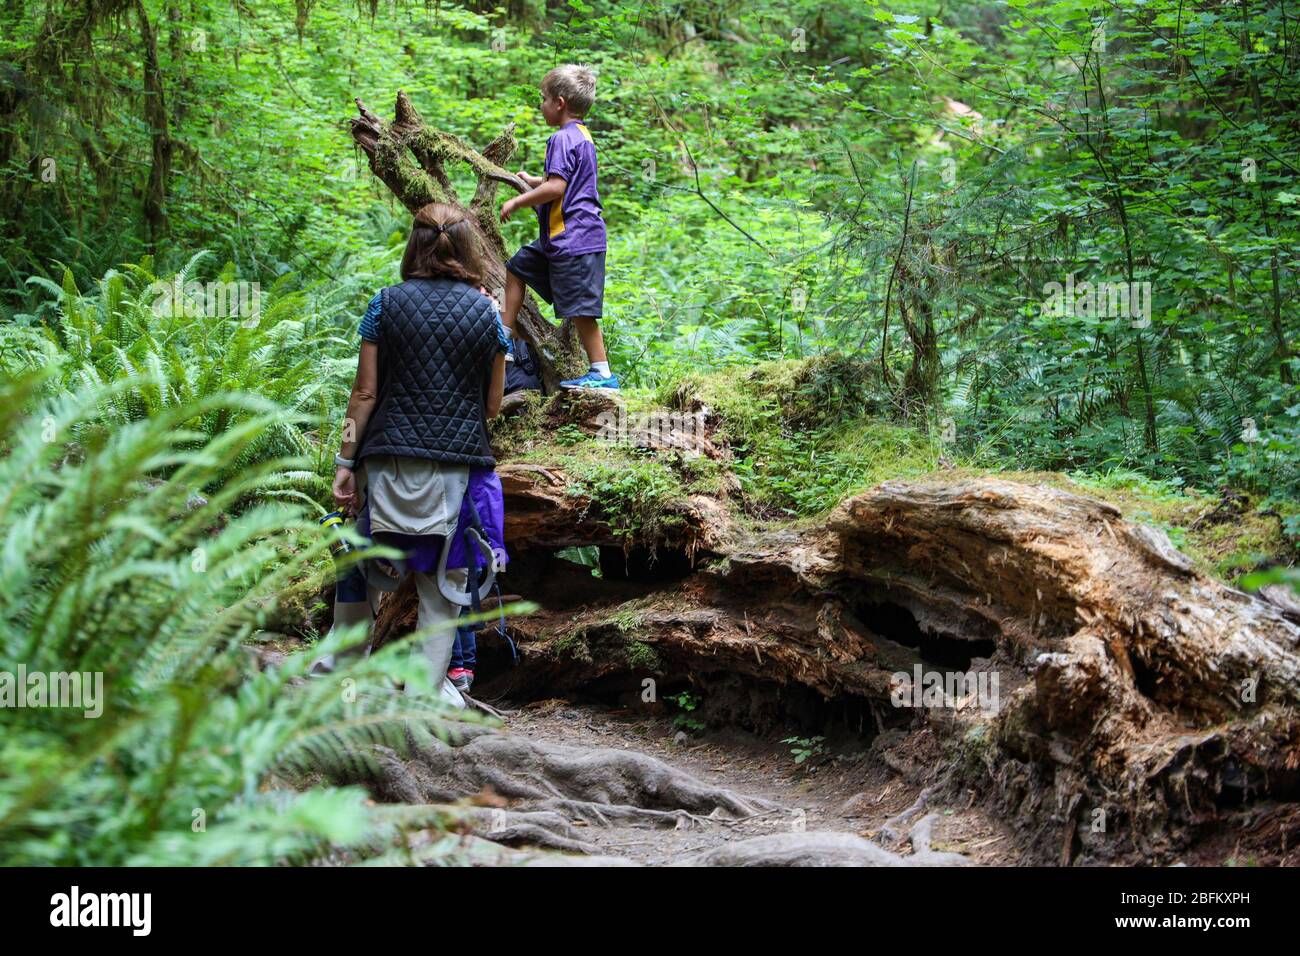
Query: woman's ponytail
x,y
443,243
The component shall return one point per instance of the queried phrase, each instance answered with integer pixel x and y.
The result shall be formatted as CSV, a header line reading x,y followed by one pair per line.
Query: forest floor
x,y
848,792
858,784
854,785
857,787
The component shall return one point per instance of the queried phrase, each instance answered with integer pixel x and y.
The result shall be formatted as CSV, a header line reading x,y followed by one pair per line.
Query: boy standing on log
x,y
566,264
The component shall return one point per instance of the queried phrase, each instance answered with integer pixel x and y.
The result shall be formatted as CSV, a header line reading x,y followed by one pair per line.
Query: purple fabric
x,y
576,228
489,498
423,551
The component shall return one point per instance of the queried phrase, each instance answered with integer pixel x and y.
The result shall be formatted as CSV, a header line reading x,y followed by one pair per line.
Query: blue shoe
x,y
592,380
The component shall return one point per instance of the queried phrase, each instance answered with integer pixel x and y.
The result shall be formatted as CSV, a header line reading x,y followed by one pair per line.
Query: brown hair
x,y
443,244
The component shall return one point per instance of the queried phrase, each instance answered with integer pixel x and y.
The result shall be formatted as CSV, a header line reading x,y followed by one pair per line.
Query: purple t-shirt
x,y
573,226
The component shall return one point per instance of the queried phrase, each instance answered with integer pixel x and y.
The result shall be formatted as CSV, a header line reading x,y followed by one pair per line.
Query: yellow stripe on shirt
x,y
556,222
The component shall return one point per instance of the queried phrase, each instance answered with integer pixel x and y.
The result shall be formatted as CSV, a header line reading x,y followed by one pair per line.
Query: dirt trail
x,y
853,786
848,790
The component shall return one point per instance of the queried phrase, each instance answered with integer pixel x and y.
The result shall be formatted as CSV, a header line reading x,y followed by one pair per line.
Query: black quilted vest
x,y
437,340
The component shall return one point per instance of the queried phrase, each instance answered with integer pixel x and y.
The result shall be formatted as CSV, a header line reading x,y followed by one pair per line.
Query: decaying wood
x,y
1141,703
1152,698
1158,695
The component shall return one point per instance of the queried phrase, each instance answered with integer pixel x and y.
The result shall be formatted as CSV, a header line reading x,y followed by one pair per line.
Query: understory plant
x,y
126,564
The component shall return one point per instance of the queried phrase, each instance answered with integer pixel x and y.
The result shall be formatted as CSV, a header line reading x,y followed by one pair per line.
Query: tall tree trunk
x,y
155,114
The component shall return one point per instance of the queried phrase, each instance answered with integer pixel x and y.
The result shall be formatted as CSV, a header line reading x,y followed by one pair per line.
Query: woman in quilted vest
x,y
431,373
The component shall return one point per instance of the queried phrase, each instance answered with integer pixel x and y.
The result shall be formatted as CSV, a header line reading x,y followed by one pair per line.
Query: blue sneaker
x,y
592,379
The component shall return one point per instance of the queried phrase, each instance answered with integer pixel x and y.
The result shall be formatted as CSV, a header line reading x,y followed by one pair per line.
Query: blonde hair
x,y
577,84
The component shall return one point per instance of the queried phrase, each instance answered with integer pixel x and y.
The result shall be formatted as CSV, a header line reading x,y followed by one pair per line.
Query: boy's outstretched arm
x,y
549,191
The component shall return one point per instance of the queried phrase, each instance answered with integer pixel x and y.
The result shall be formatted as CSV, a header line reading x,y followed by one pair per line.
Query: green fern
x,y
113,563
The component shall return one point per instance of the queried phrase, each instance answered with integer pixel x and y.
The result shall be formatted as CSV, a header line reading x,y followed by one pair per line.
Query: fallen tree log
x,y
1142,697
1140,704
1157,698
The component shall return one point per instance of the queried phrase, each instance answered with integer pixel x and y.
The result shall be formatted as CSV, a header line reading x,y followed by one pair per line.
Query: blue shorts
x,y
575,285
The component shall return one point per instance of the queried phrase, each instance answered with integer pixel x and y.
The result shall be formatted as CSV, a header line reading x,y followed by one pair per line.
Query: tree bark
x,y
155,114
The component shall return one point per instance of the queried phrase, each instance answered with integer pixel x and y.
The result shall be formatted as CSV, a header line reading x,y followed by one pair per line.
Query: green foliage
x,y
568,435
804,434
1288,576
835,226
898,183
807,473
641,656
1142,143
113,566
133,328
803,749
512,434
633,493
1225,537
686,703
588,557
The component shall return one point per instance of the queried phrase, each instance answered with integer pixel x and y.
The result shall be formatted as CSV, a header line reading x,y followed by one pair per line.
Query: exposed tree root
x,y
479,851
889,832
597,785
826,848
545,829
549,787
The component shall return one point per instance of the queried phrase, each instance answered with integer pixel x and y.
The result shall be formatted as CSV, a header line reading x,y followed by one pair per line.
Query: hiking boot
x,y
461,679
592,379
